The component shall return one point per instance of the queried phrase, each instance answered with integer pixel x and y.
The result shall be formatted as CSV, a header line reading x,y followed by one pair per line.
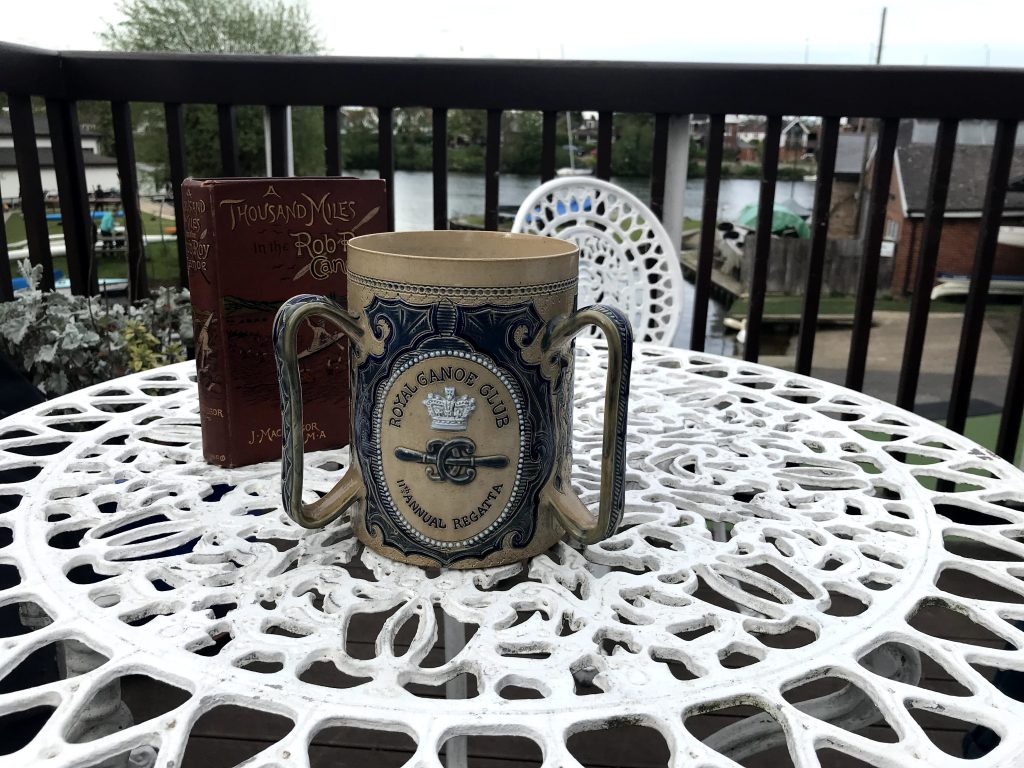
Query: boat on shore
x,y
108,286
950,286
19,250
1013,236
573,171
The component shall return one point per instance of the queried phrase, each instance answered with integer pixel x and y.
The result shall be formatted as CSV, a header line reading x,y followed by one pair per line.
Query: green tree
x,y
413,139
359,138
219,26
467,140
213,26
521,142
634,143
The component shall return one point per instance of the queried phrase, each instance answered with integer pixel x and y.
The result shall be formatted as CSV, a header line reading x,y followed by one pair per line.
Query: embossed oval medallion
x,y
449,444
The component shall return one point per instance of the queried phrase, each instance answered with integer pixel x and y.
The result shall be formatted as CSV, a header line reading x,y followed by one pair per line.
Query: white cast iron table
x,y
764,511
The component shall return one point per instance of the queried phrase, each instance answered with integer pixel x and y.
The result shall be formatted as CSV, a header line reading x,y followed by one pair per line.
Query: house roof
x,y
968,180
925,130
7,159
42,127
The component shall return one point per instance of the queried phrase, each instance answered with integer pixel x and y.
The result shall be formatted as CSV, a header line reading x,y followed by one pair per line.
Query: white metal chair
x,y
627,259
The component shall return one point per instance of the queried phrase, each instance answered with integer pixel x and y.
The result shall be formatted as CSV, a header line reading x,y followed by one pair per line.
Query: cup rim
x,y
551,247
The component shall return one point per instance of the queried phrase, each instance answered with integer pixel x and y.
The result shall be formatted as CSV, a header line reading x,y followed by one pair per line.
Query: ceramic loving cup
x,y
461,367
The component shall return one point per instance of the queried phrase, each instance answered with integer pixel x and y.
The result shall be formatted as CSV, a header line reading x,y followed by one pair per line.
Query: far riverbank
x,y
414,196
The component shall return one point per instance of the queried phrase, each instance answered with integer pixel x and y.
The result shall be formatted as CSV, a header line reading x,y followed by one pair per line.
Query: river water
x,y
414,210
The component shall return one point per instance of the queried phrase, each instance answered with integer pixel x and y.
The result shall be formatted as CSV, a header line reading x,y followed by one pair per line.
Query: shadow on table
x,y
980,740
16,392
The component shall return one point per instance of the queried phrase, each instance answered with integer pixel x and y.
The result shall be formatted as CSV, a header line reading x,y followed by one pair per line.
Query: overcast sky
x,y
933,32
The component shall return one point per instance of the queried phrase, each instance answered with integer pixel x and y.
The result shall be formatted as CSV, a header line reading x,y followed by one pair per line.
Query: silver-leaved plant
x,y
63,342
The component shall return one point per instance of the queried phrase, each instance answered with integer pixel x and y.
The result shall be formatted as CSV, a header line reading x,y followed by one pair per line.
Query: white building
x,y
99,169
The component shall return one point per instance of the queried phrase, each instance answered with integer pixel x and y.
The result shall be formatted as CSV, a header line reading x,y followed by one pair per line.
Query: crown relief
x,y
448,412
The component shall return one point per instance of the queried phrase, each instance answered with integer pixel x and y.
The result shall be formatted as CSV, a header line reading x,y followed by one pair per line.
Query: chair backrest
x,y
627,259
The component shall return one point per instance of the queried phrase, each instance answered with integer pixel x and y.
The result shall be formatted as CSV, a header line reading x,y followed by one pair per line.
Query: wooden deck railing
x,y
663,90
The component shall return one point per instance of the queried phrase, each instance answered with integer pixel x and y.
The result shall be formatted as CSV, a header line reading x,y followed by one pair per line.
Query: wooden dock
x,y
724,287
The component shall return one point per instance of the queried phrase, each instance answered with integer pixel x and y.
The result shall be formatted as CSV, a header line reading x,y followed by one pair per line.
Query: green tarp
x,y
784,221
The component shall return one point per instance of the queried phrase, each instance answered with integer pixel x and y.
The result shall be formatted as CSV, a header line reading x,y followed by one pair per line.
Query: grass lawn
x,y
984,429
161,258
845,305
981,429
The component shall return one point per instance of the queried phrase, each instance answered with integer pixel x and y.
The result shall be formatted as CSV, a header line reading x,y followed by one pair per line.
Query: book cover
x,y
251,244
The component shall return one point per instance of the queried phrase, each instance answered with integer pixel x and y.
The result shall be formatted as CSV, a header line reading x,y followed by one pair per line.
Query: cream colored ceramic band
x,y
470,259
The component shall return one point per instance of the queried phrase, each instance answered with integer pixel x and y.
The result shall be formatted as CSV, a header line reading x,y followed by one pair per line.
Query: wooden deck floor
x,y
229,735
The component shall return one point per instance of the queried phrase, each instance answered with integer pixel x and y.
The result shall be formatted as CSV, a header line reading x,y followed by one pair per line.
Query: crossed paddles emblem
x,y
451,460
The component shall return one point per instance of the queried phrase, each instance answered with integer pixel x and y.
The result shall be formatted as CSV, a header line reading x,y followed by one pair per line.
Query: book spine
x,y
207,319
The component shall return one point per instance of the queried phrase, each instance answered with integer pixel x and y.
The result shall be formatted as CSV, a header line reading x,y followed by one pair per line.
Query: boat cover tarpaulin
x,y
784,221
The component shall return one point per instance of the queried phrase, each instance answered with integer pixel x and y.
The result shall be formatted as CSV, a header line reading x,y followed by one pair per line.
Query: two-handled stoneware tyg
x,y
461,367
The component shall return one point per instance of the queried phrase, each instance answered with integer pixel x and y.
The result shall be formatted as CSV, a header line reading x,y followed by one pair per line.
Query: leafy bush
x,y
64,342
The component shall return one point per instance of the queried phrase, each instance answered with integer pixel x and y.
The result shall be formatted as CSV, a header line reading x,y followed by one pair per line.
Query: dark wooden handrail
x,y
977,92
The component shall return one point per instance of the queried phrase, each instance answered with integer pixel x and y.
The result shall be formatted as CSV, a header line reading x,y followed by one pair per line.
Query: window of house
x,y
892,230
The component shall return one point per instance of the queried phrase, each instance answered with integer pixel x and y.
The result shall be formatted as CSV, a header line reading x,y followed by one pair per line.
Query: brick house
x,y
908,192
730,137
740,139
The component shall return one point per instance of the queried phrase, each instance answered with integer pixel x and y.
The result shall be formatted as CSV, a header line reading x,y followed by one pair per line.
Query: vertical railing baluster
x,y
549,130
604,145
138,283
178,168
708,228
492,169
659,159
76,220
1013,403
867,283
439,118
819,241
279,139
981,276
6,287
765,211
386,156
332,149
920,303
227,128
33,207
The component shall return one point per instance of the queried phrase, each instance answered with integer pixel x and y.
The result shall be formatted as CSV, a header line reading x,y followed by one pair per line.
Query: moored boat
x,y
960,285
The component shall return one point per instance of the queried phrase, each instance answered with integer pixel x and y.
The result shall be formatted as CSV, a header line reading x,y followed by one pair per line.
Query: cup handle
x,y
570,512
347,490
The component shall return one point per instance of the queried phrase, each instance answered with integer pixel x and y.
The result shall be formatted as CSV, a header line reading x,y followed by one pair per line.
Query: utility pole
x,y
881,37
868,135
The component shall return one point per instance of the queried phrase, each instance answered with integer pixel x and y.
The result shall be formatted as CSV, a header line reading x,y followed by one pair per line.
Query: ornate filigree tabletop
x,y
782,536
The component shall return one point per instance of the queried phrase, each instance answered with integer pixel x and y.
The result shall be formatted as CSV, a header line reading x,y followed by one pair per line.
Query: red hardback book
x,y
252,244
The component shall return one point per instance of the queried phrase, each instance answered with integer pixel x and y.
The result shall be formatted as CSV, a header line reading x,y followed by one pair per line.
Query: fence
x,y
790,260
663,90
